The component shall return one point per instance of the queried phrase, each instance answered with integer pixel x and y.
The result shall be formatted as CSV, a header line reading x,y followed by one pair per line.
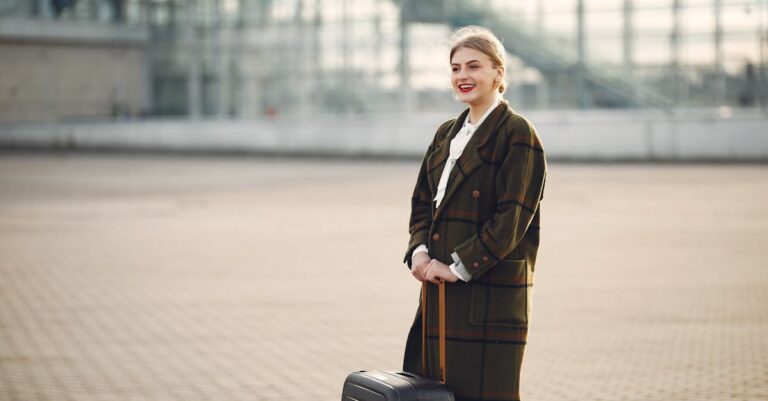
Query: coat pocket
x,y
504,297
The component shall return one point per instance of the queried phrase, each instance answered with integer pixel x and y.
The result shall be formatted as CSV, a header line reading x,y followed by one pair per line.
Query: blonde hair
x,y
484,41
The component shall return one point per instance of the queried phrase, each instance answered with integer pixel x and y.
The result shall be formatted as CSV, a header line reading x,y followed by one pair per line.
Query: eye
x,y
474,67
455,69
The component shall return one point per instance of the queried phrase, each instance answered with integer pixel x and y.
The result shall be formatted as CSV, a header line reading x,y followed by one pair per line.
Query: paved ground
x,y
148,278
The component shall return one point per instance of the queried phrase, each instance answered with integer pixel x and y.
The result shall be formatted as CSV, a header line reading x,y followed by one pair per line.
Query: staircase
x,y
598,86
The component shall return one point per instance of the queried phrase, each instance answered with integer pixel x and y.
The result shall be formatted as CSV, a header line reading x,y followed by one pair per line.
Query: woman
x,y
474,225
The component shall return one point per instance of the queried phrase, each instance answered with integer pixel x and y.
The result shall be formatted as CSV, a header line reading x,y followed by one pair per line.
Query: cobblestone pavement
x,y
192,278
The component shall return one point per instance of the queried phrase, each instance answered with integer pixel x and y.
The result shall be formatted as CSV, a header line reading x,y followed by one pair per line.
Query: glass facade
x,y
244,58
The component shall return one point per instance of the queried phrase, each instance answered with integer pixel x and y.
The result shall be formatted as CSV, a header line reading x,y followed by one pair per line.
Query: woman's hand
x,y
419,265
437,272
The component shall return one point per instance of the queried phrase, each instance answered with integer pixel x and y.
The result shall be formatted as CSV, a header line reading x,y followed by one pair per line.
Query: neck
x,y
478,108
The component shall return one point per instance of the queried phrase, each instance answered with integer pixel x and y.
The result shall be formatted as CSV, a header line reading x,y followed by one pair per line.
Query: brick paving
x,y
150,278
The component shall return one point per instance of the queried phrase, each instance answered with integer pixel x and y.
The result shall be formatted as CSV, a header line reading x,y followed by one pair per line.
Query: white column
x,y
405,69
299,78
317,53
581,90
674,51
763,43
224,76
628,38
719,86
193,51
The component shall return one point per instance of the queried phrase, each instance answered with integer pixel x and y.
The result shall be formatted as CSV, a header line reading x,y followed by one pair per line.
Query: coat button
x,y
475,194
436,237
475,265
485,258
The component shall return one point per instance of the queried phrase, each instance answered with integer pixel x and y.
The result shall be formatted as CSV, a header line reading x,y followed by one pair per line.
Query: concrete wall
x,y
58,70
709,134
574,135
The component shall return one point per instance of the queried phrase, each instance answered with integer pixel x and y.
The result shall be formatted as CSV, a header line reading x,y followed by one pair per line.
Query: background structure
x,y
673,79
244,58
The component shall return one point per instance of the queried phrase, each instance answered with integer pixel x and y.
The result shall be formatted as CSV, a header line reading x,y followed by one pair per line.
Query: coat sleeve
x,y
421,203
519,188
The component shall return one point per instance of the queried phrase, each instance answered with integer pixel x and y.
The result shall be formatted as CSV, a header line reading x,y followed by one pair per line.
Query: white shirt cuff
x,y
420,248
458,269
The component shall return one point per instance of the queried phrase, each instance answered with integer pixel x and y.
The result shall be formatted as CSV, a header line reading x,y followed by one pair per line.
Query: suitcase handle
x,y
441,329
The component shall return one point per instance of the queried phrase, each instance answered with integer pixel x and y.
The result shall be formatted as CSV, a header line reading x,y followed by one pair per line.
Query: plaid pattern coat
x,y
490,218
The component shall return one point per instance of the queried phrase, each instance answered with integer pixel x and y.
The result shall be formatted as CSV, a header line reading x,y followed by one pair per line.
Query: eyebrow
x,y
470,61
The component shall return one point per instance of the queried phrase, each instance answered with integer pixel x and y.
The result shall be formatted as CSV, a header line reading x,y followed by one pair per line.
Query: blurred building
x,y
97,59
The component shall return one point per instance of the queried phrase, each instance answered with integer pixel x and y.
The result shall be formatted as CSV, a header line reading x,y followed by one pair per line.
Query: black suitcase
x,y
380,385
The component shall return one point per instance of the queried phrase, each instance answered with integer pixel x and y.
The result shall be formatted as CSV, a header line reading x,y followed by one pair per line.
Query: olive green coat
x,y
490,217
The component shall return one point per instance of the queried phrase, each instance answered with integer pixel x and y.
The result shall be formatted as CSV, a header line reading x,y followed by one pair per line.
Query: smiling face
x,y
474,77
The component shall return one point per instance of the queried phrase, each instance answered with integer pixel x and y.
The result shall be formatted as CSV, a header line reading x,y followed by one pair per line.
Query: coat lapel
x,y
469,159
436,160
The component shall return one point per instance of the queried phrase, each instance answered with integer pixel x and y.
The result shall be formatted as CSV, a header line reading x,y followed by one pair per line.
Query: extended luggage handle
x,y
441,329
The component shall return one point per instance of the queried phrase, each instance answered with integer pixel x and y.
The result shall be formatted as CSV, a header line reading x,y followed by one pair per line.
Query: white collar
x,y
472,127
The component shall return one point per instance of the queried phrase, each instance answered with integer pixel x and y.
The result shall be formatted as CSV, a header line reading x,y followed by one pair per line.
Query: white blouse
x,y
458,144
